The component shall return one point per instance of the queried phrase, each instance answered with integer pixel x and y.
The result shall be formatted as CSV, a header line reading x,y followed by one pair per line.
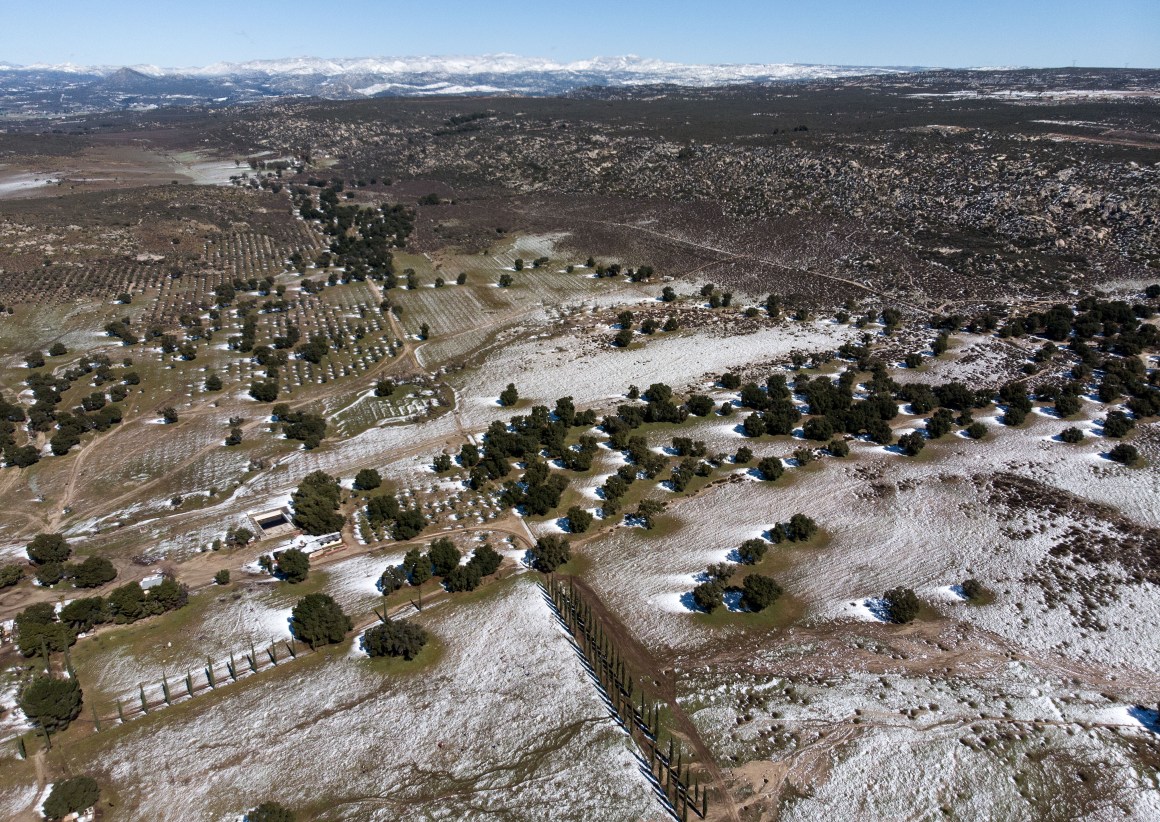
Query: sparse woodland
x,y
430,405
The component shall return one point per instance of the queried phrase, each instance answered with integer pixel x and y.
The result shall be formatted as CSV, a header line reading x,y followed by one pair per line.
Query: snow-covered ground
x,y
506,725
544,369
924,523
1002,742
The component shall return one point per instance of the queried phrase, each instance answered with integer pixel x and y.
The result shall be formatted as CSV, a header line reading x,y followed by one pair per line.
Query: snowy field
x,y
506,726
923,523
991,741
595,373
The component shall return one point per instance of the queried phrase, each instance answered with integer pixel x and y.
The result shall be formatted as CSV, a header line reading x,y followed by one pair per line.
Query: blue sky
x,y
853,32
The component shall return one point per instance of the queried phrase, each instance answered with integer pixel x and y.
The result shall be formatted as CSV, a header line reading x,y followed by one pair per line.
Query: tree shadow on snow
x,y
878,608
658,791
1149,719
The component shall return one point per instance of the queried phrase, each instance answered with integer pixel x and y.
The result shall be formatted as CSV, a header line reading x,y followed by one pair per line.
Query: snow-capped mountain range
x,y
615,70
74,87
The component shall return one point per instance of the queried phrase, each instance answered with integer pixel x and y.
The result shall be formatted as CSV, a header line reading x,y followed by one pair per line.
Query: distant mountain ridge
x,y
67,88
622,69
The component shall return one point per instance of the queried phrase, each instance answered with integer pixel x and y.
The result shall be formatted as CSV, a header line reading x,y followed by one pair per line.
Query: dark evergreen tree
x,y
392,579
912,443
1124,454
444,556
1067,404
316,504
50,573
37,630
10,574
84,614
48,548
50,703
902,605
754,425
972,589
709,596
579,520
509,396
838,448
940,423
71,796
463,578
127,603
318,620
1117,424
818,428
394,638
486,559
800,528
168,595
308,428
699,405
976,430
770,468
264,391
647,512
293,565
367,479
759,592
549,553
752,551
93,572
